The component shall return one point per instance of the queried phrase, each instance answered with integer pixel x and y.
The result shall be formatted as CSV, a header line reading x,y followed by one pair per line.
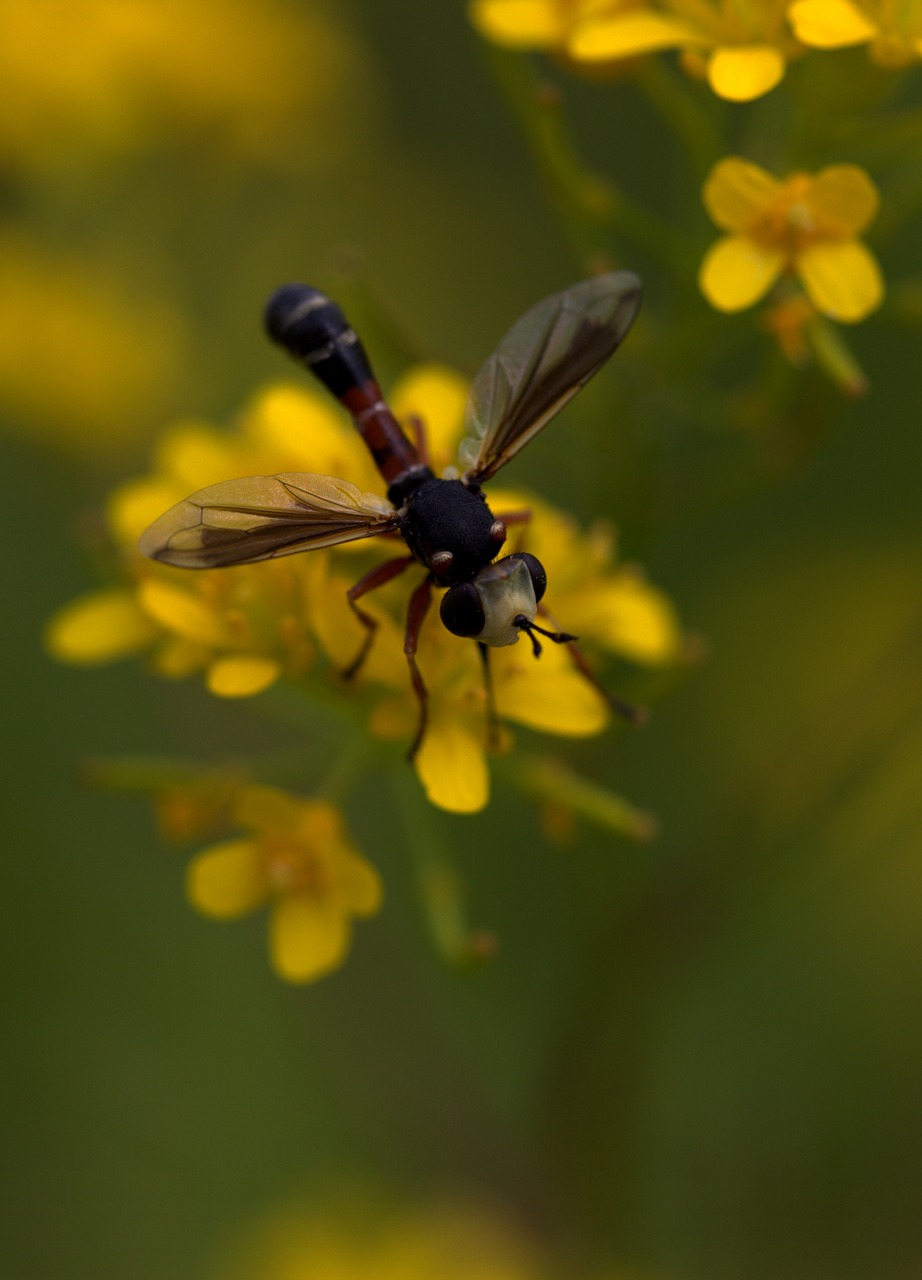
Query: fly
x,y
447,525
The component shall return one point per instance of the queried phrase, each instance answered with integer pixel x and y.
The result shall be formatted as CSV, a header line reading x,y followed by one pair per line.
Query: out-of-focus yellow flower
x,y
358,1242
113,74
893,30
299,861
538,24
78,359
804,225
743,50
245,626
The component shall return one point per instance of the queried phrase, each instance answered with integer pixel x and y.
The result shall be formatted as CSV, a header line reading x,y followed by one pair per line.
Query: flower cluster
x,y
245,628
741,50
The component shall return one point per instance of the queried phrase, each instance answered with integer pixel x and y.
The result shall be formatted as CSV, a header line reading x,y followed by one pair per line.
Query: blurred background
x,y
696,1058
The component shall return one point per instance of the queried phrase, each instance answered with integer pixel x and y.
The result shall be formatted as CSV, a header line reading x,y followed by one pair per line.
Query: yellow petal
x,y
194,454
296,428
436,395
308,937
181,611
265,808
842,279
135,505
626,35
744,73
242,677
227,880
451,766
738,191
99,628
519,24
830,24
629,617
736,272
844,196
358,885
547,693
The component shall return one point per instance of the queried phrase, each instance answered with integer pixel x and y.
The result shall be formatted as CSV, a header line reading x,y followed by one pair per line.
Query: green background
x,y
697,1058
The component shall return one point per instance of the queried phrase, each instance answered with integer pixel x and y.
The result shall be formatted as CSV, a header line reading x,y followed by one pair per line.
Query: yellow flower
x,y
537,24
804,225
246,626
126,74
548,695
299,861
80,360
243,627
610,606
743,50
894,31
361,1238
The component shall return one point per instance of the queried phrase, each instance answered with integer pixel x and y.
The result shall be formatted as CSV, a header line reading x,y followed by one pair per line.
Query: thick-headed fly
x,y
541,363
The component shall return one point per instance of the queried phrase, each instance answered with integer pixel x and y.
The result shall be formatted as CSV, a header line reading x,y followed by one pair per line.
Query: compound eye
x,y
461,610
535,571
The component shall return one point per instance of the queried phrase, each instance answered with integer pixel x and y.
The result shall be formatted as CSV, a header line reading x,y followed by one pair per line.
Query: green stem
x,y
551,780
589,206
683,112
440,885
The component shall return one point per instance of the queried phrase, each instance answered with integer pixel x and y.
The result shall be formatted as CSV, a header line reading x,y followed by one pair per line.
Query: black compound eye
x,y
535,571
461,610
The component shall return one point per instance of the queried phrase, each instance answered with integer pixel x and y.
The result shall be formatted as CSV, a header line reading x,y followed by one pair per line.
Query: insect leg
x,y
375,577
416,613
492,719
627,710
420,438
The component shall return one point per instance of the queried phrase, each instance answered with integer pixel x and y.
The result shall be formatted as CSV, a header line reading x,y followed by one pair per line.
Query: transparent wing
x,y
261,517
541,363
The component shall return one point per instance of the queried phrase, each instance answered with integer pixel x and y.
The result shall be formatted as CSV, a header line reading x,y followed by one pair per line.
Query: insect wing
x,y
545,358
260,517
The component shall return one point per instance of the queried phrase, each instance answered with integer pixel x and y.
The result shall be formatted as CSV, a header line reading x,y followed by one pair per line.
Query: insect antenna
x,y
559,637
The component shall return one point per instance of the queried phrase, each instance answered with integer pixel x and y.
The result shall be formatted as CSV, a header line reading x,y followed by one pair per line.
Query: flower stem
x,y
439,883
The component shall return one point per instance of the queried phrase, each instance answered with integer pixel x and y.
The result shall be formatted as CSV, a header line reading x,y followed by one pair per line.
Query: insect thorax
x,y
447,515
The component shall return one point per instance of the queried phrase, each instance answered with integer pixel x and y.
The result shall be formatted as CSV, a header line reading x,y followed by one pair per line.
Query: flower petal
x,y
630,617
830,24
843,196
451,766
227,880
138,503
736,272
270,809
626,35
743,73
358,886
519,24
242,677
181,611
547,694
98,628
842,279
308,937
738,191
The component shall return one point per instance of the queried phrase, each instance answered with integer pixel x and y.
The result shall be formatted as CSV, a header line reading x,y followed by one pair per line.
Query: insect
x,y
543,361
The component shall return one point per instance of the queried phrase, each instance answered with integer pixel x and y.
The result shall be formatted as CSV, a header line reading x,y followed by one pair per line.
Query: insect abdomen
x,y
313,329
